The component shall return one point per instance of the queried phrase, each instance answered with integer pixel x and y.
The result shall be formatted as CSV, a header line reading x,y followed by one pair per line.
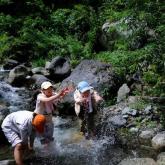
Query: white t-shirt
x,y
19,122
44,107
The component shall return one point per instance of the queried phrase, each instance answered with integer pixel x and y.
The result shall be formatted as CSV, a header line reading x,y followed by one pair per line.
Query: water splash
x,y
70,146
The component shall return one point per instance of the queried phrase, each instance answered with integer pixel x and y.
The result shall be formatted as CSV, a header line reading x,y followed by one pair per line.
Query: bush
x,y
76,22
5,44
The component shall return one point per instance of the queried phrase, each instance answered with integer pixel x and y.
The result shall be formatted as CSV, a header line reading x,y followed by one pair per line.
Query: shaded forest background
x,y
133,41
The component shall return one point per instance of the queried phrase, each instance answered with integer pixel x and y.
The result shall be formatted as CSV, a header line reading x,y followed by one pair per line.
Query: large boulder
x,y
99,75
59,68
124,33
17,76
36,80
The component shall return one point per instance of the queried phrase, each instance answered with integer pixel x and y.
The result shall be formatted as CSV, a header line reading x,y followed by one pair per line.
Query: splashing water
x,y
70,146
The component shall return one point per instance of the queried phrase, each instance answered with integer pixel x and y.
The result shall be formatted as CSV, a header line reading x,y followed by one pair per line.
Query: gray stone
x,y
99,75
118,121
148,109
158,141
36,80
161,159
40,70
122,93
129,111
17,76
133,130
147,134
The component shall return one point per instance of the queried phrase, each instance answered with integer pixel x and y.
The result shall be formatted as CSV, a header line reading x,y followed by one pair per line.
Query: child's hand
x,y
65,91
62,93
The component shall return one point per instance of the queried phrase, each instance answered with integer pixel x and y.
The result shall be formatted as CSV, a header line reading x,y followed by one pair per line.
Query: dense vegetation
x,y
39,30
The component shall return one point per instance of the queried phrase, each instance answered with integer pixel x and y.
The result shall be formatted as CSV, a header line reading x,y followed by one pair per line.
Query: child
x,y
45,105
19,128
86,100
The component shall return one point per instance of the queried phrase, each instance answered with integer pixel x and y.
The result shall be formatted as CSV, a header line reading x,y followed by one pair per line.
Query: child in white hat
x,y
46,101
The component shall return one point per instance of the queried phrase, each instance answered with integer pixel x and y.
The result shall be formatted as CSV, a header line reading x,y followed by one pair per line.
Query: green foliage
x,y
4,2
5,43
74,48
40,62
56,45
150,77
58,22
35,4
140,104
77,22
123,61
6,23
107,12
157,89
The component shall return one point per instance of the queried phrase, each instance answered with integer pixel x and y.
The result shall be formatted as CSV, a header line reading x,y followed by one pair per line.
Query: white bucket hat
x,y
46,85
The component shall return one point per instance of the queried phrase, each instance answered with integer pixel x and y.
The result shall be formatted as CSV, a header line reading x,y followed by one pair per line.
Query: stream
x,y
69,147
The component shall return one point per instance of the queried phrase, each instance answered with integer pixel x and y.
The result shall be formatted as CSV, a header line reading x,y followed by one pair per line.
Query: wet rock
x,y
4,111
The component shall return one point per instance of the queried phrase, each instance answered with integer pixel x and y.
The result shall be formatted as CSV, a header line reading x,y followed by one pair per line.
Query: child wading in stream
x,y
19,128
86,101
45,104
